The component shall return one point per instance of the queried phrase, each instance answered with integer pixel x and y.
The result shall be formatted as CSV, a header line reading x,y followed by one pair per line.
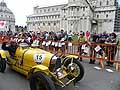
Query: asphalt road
x,y
93,80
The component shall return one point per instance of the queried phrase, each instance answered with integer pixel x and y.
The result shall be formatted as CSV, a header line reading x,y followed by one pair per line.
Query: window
x,y
44,10
107,3
48,24
52,9
40,11
72,9
37,11
33,24
110,20
97,16
83,8
100,3
106,15
43,24
54,24
52,16
110,11
36,18
64,11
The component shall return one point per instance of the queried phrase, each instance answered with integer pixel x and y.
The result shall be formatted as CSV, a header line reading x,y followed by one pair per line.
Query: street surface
x,y
93,80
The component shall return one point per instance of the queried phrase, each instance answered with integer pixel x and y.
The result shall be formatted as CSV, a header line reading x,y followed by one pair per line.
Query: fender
x,y
70,57
37,68
3,54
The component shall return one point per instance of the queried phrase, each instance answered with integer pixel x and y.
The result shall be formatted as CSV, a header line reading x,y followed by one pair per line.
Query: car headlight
x,y
54,59
53,63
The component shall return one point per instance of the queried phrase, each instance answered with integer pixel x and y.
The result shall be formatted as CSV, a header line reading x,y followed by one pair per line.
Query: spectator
x,y
87,35
112,49
70,36
103,37
46,36
81,41
95,39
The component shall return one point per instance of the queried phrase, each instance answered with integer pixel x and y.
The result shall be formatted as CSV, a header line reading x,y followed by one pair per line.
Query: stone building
x,y
76,15
7,18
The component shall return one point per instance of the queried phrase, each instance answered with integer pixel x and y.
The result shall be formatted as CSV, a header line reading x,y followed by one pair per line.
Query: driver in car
x,y
11,47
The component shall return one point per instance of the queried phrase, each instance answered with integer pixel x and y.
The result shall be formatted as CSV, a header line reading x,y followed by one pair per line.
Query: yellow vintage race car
x,y
43,69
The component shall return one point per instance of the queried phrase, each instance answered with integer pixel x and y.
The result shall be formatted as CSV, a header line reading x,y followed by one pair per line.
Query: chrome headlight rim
x,y
54,59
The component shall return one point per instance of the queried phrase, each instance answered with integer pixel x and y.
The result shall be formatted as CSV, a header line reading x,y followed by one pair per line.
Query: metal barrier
x,y
109,53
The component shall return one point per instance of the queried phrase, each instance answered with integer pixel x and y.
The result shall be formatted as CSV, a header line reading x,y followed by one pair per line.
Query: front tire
x,y
78,72
2,64
39,81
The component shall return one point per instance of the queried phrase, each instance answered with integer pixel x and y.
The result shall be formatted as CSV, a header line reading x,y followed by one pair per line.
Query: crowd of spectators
x,y
67,36
32,38
102,38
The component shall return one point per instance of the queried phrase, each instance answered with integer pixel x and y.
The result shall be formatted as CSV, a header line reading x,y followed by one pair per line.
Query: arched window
x,y
48,24
97,16
100,3
48,10
107,3
43,24
83,8
106,15
71,8
54,24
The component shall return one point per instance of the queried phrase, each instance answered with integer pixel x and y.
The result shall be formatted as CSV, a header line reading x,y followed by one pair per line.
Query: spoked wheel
x,y
74,69
2,64
39,81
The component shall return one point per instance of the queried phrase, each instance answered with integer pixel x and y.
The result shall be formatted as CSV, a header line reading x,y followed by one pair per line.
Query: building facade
x,y
7,18
76,15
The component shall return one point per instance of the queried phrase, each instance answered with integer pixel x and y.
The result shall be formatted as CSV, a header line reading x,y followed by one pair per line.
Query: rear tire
x,y
2,64
39,81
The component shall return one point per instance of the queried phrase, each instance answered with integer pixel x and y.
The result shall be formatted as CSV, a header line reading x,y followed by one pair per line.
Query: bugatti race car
x,y
43,69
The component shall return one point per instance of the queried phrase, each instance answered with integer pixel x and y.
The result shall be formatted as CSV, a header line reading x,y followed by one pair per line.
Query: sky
x,y
23,8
